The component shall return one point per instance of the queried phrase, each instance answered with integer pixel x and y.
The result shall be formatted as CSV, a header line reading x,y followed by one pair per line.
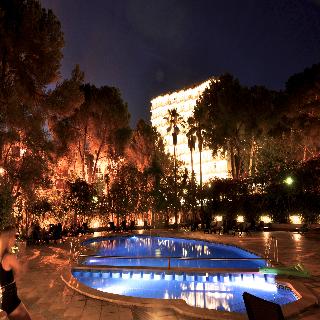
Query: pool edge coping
x,y
306,299
178,305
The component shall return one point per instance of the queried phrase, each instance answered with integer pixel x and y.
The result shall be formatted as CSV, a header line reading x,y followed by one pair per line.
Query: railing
x,y
271,250
168,258
74,251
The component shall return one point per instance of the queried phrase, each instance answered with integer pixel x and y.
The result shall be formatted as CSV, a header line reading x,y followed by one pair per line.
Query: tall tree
x,y
191,145
89,123
233,118
174,121
30,54
141,149
264,111
224,122
196,128
160,161
80,198
30,51
124,191
61,104
108,126
303,92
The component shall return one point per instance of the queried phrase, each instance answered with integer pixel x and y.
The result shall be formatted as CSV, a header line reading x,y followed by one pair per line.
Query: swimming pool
x,y
177,268
220,291
159,252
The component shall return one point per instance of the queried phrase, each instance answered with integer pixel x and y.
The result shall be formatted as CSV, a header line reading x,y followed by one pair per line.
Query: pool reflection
x,y
162,248
211,291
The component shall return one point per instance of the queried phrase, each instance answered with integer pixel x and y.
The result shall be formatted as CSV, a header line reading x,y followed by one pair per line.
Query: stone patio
x,y
47,297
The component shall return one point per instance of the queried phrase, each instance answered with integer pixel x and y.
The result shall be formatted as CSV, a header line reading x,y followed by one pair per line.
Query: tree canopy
x,y
234,117
31,43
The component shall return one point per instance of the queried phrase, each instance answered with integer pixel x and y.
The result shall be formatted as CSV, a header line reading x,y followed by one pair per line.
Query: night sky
x,y
150,47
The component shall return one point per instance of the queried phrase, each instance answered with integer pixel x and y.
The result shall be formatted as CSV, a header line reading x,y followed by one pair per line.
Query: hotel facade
x,y
184,102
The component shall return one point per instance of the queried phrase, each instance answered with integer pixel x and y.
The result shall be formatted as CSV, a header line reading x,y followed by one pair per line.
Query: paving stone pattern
x,y
47,297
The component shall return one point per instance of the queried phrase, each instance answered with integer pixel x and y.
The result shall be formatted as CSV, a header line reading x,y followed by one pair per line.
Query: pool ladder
x,y
271,250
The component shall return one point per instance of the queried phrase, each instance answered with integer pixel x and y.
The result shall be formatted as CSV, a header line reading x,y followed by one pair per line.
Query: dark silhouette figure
x,y
112,226
132,225
124,225
145,225
10,267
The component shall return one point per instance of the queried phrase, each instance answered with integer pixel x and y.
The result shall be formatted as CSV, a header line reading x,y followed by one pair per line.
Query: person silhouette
x,y
9,268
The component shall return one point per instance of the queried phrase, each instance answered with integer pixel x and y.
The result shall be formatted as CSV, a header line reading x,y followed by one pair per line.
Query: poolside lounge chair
x,y
217,227
214,226
260,309
303,229
297,271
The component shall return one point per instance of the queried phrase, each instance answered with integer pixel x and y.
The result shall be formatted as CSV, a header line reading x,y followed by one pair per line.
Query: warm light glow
x,y
140,222
45,222
172,220
218,218
288,181
265,219
295,219
266,236
22,151
94,223
296,236
184,102
240,218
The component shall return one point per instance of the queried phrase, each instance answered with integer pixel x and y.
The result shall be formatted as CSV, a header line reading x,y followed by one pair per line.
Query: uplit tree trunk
x,y
174,120
238,163
251,157
82,151
27,222
75,220
94,171
174,135
232,161
200,162
98,156
192,183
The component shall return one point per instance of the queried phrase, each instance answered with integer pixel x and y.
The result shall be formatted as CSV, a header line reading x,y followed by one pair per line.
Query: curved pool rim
x,y
176,236
88,240
306,297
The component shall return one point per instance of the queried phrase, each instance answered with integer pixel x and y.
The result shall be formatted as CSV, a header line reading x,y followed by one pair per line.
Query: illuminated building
x,y
184,102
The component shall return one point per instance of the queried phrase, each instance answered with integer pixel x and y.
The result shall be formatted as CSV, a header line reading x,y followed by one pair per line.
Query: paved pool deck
x,y
48,298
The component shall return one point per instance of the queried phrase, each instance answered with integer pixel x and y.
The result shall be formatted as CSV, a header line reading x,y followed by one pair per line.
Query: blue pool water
x,y
154,252
212,291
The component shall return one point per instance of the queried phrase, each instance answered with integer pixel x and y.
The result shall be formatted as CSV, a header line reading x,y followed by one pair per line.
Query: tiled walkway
x,y
47,298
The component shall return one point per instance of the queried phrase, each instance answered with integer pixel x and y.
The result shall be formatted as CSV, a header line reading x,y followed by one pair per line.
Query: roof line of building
x,y
195,85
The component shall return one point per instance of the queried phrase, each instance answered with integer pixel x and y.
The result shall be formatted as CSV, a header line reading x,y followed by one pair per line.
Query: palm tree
x,y
174,120
196,128
191,144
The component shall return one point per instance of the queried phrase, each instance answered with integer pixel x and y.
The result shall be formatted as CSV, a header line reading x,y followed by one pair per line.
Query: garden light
x,y
240,219
265,219
288,181
95,223
295,219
